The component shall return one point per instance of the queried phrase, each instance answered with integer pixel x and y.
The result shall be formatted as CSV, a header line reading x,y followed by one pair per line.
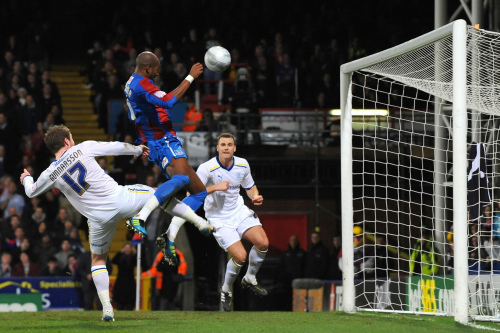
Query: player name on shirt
x,y
64,164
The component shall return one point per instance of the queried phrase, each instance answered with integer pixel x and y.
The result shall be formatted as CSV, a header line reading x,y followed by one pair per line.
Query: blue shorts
x,y
162,151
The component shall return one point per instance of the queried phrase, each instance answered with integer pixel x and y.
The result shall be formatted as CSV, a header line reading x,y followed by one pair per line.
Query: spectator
x,y
317,258
45,249
46,100
478,256
54,90
8,229
211,39
172,277
335,272
10,140
207,123
38,216
423,260
264,83
143,167
110,91
51,203
8,62
15,48
62,255
41,230
25,267
363,256
11,199
383,263
37,137
30,115
2,160
33,86
191,117
51,268
21,96
94,55
55,110
75,242
68,228
6,265
124,289
48,122
58,225
22,244
71,268
292,266
192,47
285,82
132,54
486,221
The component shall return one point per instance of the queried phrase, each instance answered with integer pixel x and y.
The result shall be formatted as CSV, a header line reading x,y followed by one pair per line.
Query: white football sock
x,y
255,259
101,280
150,205
174,227
232,271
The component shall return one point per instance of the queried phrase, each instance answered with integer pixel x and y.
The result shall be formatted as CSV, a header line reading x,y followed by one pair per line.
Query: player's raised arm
x,y
195,72
97,148
43,183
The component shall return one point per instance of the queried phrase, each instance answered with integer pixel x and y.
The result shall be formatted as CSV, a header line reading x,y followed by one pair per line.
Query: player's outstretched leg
x,y
167,247
226,300
253,286
162,194
100,277
108,315
181,213
136,225
256,257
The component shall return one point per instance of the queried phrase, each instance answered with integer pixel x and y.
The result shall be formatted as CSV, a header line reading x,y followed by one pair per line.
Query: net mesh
x,y
403,234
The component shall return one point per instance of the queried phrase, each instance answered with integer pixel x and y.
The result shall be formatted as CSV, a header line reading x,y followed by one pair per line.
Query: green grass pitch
x,y
173,321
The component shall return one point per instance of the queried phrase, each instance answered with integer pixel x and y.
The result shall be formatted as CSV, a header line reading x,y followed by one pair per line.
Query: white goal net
x,y
418,212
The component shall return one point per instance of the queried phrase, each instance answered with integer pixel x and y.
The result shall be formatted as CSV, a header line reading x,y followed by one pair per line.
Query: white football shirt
x,y
224,204
77,174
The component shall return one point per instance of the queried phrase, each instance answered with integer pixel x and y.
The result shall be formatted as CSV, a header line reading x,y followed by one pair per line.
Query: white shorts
x,y
133,198
231,230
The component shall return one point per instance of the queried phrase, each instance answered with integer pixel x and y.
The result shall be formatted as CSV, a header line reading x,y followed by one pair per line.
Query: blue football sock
x,y
168,189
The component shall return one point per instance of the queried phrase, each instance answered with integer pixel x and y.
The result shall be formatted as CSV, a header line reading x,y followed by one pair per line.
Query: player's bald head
x,y
146,59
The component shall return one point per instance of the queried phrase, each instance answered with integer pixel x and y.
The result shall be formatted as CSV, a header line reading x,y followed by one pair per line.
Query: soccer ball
x,y
217,59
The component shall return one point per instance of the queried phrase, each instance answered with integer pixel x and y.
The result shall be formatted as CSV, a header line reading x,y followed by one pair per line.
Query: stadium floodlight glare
x,y
442,91
361,112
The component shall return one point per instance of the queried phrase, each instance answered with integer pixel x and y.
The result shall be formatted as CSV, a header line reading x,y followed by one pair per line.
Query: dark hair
x,y
54,138
226,135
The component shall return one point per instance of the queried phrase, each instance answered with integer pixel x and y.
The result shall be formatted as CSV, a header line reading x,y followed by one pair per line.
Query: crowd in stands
x,y
290,64
294,65
38,235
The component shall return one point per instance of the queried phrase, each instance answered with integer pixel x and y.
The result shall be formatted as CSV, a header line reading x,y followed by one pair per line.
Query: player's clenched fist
x,y
222,186
257,200
196,70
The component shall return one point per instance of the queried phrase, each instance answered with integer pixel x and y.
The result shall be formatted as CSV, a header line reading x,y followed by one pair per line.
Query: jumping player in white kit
x,y
226,212
96,195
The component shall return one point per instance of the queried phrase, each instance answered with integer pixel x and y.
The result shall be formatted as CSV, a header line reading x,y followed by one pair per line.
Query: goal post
x,y
404,175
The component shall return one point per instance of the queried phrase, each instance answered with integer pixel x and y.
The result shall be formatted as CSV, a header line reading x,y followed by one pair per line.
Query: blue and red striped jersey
x,y
148,108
